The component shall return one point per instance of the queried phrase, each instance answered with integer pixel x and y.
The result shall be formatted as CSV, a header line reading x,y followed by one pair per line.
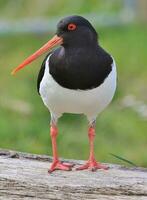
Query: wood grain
x,y
24,176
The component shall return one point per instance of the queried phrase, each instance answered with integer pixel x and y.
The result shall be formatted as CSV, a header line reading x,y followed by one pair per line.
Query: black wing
x,y
41,72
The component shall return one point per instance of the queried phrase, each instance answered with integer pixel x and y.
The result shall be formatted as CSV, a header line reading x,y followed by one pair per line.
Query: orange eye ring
x,y
71,27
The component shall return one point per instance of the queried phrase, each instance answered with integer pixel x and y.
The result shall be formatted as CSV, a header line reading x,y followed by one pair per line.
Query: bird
x,y
78,76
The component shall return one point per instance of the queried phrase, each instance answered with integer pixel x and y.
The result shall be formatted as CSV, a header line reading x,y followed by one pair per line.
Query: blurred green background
x,y
25,25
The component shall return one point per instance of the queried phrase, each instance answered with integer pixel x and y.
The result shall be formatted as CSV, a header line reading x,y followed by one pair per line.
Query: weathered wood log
x,y
24,176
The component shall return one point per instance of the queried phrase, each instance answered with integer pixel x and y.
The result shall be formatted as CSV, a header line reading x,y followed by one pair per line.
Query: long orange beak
x,y
50,44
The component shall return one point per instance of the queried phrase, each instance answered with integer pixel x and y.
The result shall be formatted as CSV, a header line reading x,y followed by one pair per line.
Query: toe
x,y
63,167
100,166
68,164
83,167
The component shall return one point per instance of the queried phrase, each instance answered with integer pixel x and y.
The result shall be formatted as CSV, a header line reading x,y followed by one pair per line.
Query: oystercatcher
x,y
77,77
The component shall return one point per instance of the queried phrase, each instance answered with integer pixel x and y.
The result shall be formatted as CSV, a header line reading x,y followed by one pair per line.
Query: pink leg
x,y
57,165
92,164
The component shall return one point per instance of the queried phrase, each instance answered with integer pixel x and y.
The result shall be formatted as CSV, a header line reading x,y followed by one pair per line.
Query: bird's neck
x,y
81,43
79,50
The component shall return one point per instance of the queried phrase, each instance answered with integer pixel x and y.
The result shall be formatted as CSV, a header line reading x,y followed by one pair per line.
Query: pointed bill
x,y
50,44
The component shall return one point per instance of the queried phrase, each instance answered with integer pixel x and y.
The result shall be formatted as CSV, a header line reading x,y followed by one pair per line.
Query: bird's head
x,y
72,31
76,31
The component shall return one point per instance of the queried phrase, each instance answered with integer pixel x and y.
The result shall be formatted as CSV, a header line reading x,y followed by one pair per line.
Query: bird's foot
x,y
57,165
93,165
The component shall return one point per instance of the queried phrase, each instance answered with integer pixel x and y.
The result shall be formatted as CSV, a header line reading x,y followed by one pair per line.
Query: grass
x,y
34,8
120,131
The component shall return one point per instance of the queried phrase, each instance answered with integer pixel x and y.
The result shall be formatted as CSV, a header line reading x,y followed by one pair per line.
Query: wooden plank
x,y
24,176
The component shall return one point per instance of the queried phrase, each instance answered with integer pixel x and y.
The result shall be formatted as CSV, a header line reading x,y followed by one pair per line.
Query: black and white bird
x,y
77,77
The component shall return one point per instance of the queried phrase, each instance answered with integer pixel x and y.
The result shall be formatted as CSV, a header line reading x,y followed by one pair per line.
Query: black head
x,y
76,31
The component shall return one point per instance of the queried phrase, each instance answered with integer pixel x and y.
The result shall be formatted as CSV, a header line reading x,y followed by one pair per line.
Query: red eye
x,y
71,27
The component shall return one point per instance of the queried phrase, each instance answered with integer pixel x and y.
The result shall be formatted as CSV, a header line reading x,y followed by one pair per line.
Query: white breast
x,y
60,100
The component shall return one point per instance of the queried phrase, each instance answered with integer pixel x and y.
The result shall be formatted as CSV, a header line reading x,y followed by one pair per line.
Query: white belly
x,y
60,100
